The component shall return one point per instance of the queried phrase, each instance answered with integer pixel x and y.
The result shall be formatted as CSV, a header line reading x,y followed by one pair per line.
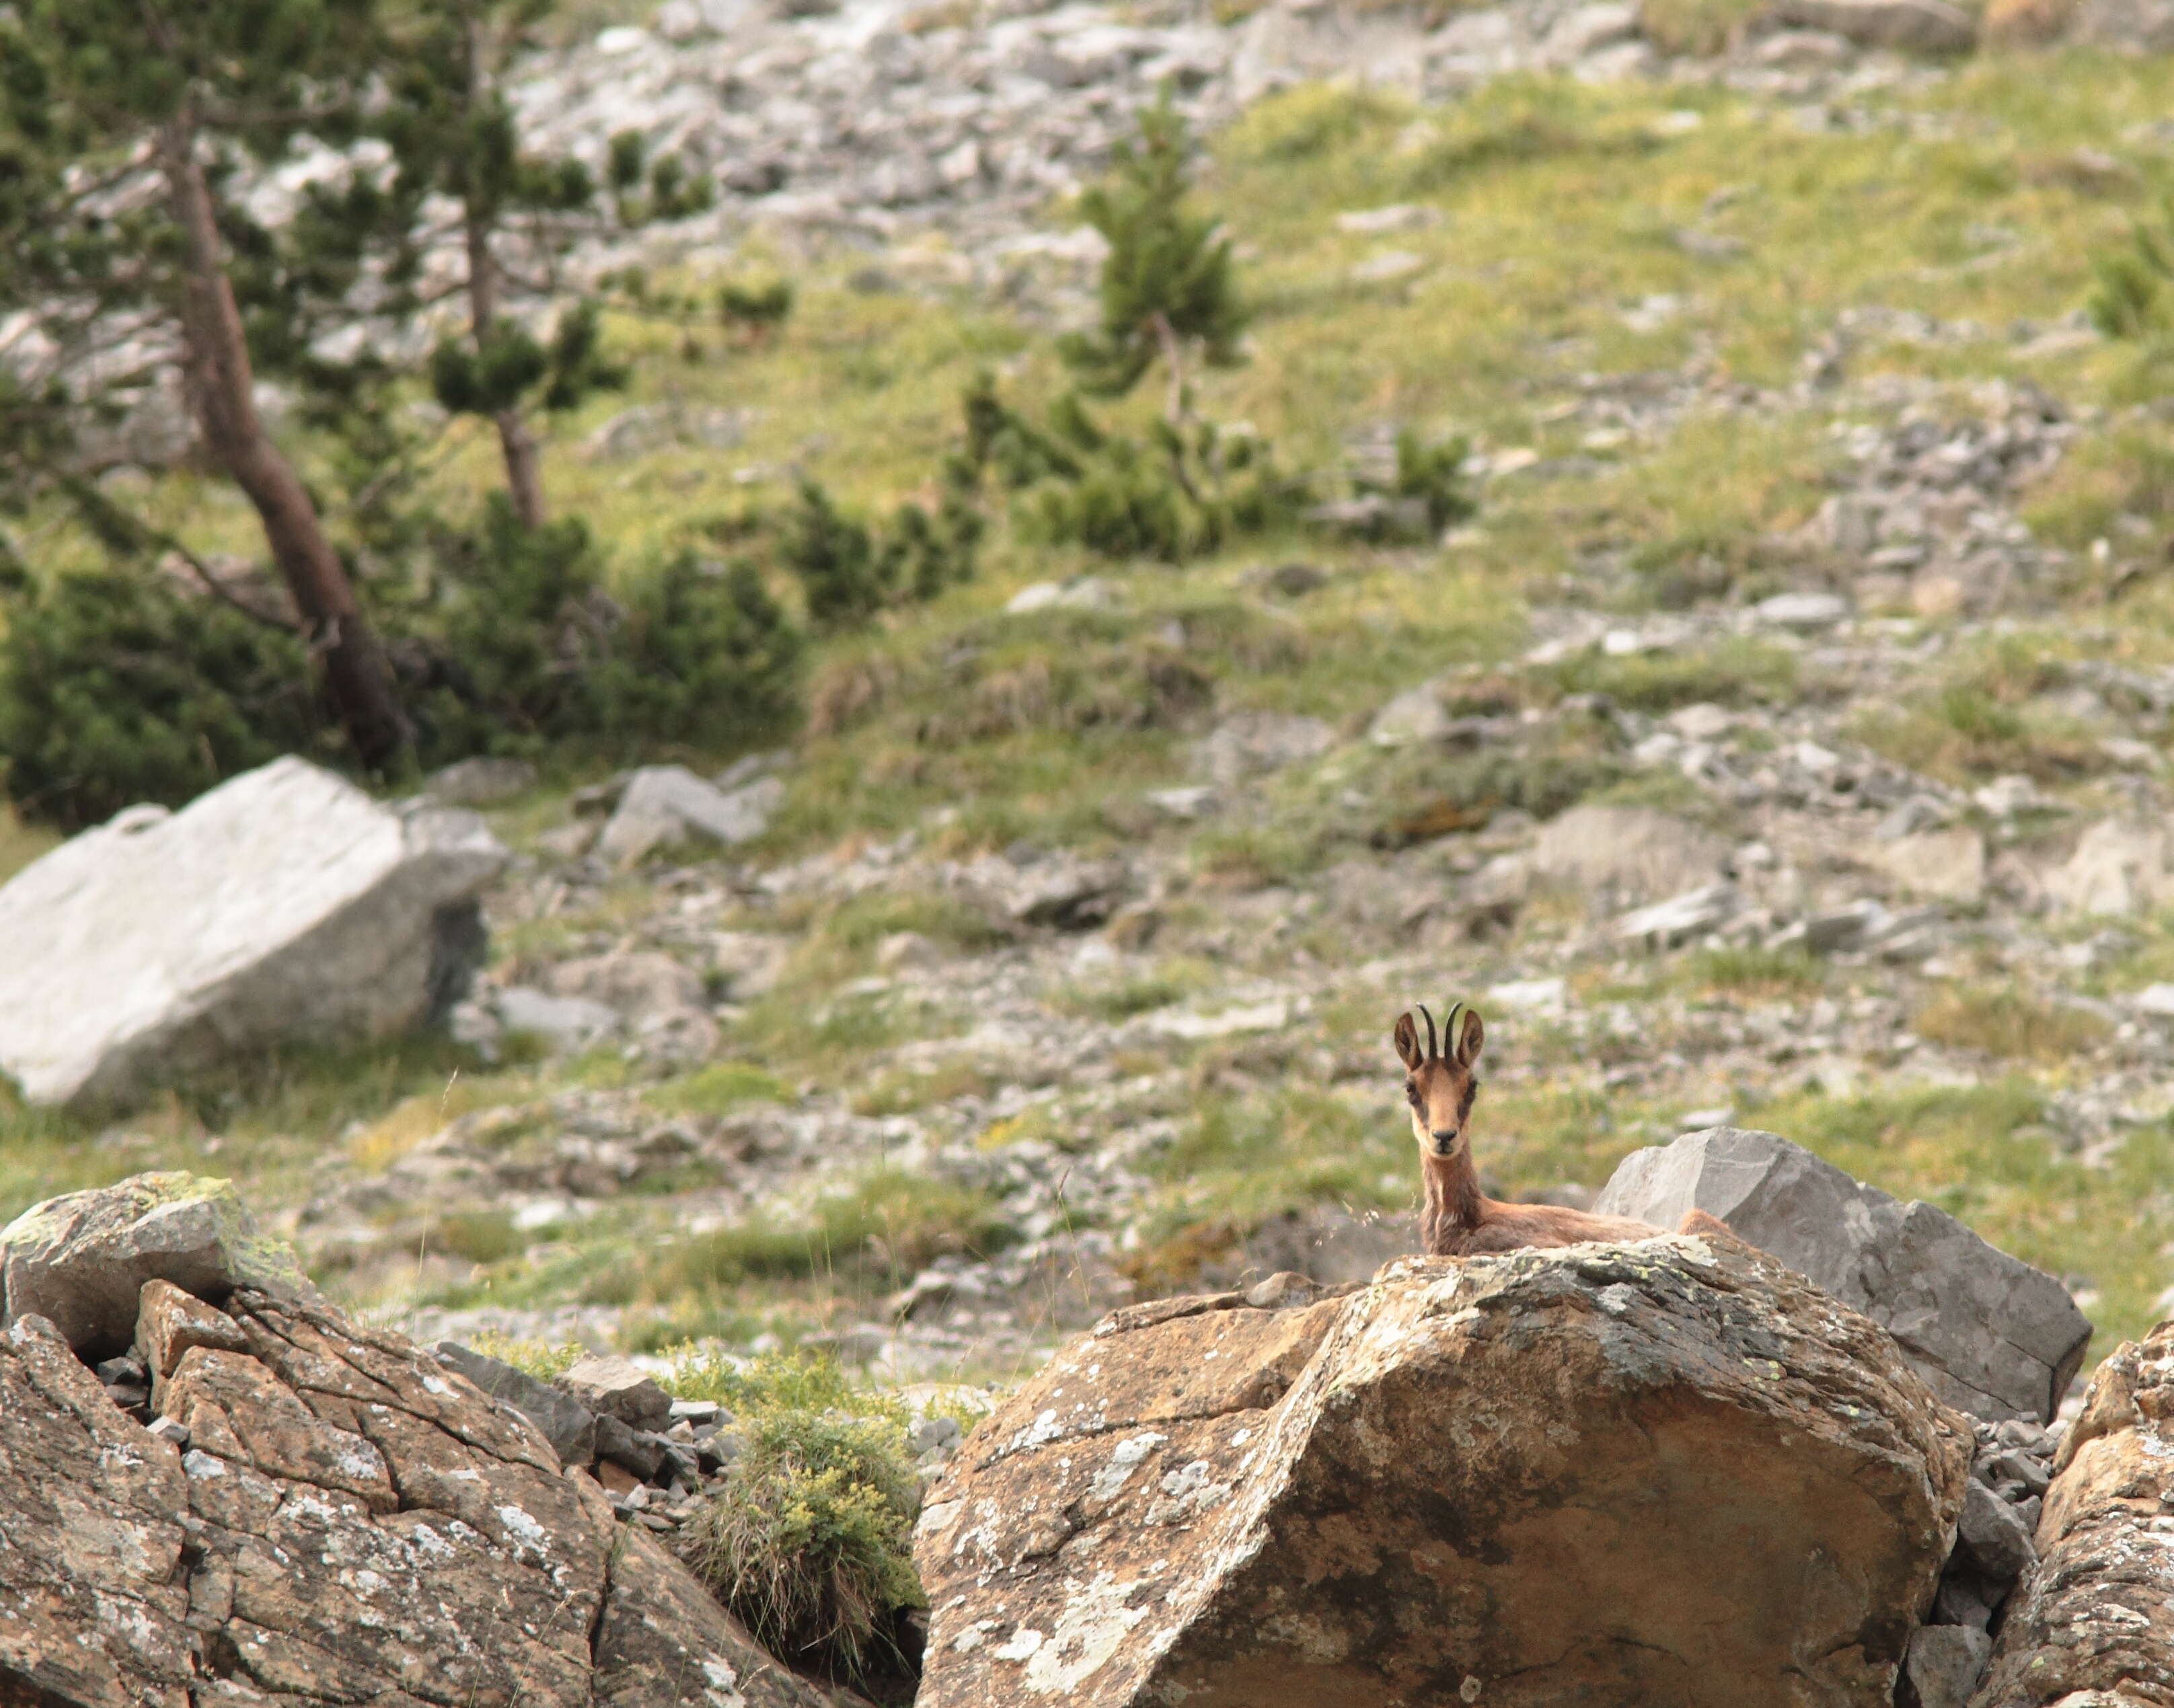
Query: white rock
x,y
1529,996
664,804
1390,265
283,905
1704,721
565,1023
2119,868
1947,865
1803,612
1399,216
1680,917
1415,716
1271,1016
2157,1000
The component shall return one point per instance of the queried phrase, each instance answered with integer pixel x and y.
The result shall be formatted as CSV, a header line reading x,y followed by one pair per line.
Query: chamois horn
x,y
1449,1030
1433,1049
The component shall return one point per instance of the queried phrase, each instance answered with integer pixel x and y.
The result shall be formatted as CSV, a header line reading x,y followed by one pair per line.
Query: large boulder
x,y
2094,1624
329,1516
1670,1471
283,905
1993,1336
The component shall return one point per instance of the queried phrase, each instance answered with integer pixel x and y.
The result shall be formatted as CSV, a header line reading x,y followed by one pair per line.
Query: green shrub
x,y
116,687
704,656
1175,493
848,572
810,1542
517,645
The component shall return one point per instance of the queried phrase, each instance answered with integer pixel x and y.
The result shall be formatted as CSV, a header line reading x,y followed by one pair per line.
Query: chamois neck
x,y
1453,1189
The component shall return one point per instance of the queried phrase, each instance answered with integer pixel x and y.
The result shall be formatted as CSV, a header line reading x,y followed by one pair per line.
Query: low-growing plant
x,y
1734,672
849,571
809,1541
2007,1024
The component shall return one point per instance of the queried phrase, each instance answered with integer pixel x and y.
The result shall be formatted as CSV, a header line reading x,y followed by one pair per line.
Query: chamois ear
x,y
1471,1039
1408,1042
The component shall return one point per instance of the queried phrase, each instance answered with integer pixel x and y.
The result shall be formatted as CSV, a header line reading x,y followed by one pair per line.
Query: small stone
x,y
618,1387
1945,1662
1281,1291
1415,716
480,782
167,1429
1993,1535
1804,613
169,1322
124,1371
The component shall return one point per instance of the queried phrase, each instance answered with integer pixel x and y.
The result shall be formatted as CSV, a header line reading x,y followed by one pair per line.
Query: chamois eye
x,y
1412,1092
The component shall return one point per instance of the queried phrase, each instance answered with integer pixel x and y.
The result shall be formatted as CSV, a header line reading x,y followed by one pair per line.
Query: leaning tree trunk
x,y
524,473
221,397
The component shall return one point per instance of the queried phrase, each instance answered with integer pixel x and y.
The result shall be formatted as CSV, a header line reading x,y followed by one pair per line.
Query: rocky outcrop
x,y
2098,1614
323,1513
82,1260
1668,1471
1993,1336
283,905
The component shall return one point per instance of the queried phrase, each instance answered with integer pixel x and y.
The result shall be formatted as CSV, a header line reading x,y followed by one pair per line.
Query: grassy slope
x,y
1560,207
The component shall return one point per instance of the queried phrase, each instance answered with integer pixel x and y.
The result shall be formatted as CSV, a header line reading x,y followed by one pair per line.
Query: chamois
x,y
1457,1220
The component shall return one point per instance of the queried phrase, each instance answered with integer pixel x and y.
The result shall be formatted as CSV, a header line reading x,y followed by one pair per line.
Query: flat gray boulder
x,y
81,1261
1989,1334
284,905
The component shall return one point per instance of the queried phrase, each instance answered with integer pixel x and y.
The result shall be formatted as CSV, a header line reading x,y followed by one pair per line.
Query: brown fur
x,y
1458,1219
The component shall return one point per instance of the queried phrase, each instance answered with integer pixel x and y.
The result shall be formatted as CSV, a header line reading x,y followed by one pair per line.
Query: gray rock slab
x,y
569,1425
1990,1334
283,905
81,1261
665,805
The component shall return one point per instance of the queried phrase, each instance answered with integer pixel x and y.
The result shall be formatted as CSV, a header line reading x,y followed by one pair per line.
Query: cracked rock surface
x,y
349,1521
1667,1471
2095,1627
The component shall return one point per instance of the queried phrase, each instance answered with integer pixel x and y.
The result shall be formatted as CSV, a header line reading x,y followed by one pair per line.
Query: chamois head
x,y
1441,1086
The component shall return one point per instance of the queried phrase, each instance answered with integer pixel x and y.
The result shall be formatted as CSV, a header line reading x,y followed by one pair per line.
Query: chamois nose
x,y
1445,1139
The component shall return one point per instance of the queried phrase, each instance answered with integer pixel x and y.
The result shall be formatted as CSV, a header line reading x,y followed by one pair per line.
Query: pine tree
x,y
452,133
121,124
1166,282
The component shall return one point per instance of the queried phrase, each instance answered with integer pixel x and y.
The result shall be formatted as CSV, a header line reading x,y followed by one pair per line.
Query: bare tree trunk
x,y
524,473
221,396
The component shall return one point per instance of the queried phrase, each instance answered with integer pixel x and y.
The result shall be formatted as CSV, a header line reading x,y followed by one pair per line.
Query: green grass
x,y
2010,1026
1980,1153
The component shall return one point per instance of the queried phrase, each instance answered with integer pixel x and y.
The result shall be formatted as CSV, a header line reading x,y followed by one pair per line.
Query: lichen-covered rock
x,y
1664,1471
81,1261
350,1522
2098,1614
